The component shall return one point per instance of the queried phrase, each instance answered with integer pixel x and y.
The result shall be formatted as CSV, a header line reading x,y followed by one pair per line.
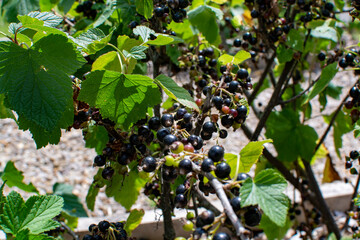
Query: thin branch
x,y
324,209
355,193
169,233
218,187
274,98
203,202
68,229
337,111
300,94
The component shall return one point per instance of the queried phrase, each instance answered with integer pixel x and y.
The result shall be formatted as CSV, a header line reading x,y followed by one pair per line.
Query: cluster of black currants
x,y
171,9
87,9
248,38
349,60
354,103
353,156
106,230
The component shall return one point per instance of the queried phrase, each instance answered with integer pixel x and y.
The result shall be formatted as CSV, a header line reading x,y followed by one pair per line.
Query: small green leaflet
x,y
136,52
271,232
36,80
93,40
49,18
145,7
96,137
13,8
284,54
204,18
35,214
108,61
296,40
94,190
325,31
143,32
249,155
111,6
126,188
14,178
72,203
175,92
133,220
122,98
267,191
291,138
237,59
327,74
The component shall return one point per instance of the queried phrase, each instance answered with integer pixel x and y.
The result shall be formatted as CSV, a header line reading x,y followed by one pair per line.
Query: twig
x,y
274,98
169,233
68,229
300,94
324,209
203,202
355,193
322,139
218,187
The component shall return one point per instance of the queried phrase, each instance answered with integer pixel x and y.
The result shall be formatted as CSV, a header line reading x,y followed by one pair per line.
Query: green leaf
x,y
14,178
96,137
325,31
145,7
126,43
339,4
250,154
2,197
37,84
175,92
284,54
232,160
49,19
65,5
35,214
126,189
93,40
133,220
291,138
13,8
143,32
204,18
271,232
327,74
237,59
38,26
70,220
4,111
161,39
121,98
267,191
341,126
136,52
94,190
296,40
108,61
72,203
106,13
173,53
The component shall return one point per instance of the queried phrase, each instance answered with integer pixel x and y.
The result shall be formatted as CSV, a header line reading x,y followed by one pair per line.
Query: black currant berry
x,y
242,176
123,159
181,189
144,131
221,236
187,117
254,13
103,226
329,6
348,164
169,139
237,43
196,141
207,165
252,216
233,86
87,236
107,173
167,120
247,36
205,136
222,170
217,101
223,133
349,58
183,3
235,203
149,164
159,11
92,227
185,166
242,73
180,201
343,63
321,56
242,111
134,139
99,160
216,153
209,127
207,217
227,121
354,92
154,123
162,133
354,154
